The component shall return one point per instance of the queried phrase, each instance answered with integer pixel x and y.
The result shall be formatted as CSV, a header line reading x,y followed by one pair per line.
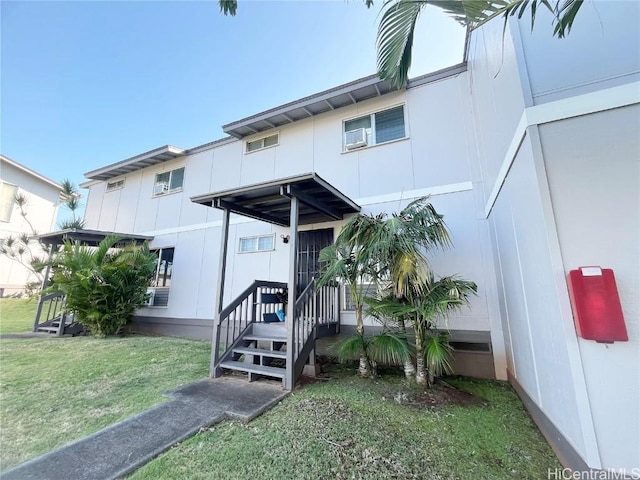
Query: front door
x,y
309,245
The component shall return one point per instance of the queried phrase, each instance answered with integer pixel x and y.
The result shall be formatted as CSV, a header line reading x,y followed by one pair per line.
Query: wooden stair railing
x,y
236,319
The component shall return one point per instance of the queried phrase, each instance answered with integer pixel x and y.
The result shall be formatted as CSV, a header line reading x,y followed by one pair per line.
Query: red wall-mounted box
x,y
597,312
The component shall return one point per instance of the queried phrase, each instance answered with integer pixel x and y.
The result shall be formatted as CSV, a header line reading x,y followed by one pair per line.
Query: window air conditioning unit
x,y
160,188
152,293
356,138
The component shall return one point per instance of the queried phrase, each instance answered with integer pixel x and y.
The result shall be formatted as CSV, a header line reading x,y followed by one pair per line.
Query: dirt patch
x,y
440,395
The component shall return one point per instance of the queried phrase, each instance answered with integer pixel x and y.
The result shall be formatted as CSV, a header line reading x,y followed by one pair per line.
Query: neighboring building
x,y
531,151
43,199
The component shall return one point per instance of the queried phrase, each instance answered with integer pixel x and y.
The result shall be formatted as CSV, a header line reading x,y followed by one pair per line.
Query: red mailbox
x,y
597,312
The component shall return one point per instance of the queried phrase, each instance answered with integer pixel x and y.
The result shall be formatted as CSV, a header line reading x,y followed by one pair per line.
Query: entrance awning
x,y
87,237
270,202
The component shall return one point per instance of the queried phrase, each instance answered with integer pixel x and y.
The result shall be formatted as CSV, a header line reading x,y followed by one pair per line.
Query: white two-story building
x,y
40,211
530,149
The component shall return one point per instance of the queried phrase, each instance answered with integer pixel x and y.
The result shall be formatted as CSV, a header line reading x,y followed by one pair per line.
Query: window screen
x,y
390,125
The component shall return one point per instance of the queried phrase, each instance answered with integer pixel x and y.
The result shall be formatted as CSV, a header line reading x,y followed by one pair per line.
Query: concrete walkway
x,y
124,447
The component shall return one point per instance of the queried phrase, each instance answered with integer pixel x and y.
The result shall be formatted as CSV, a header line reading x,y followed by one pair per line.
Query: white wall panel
x,y
127,203
438,143
594,181
602,50
294,155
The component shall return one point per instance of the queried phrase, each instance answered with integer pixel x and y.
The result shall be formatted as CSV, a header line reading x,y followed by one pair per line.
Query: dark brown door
x,y
309,245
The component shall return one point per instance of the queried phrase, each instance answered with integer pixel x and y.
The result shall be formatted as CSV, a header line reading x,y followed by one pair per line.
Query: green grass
x,y
53,391
17,314
352,428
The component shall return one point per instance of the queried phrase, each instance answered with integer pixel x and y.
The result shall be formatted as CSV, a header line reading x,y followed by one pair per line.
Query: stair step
x,y
252,368
260,352
48,329
263,337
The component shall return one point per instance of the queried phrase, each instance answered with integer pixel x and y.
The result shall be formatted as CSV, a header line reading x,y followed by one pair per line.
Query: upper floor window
x,y
7,199
115,185
260,243
373,129
168,182
264,142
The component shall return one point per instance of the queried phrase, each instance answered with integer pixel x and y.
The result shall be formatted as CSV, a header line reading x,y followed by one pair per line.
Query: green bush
x,y
103,285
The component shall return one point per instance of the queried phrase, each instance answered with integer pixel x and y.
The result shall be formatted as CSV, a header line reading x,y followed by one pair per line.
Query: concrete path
x,y
124,447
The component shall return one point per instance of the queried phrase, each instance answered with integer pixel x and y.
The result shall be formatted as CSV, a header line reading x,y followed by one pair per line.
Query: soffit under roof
x,y
152,157
88,237
341,96
322,102
270,202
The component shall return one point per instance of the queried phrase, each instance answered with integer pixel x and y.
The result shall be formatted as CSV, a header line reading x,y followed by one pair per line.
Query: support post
x,y
45,281
222,268
291,305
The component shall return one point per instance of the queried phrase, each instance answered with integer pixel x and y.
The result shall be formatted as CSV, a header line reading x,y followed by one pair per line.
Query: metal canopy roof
x,y
152,157
87,237
341,96
271,201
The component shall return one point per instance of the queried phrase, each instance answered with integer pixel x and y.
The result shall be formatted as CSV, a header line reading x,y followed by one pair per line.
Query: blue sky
x,y
88,83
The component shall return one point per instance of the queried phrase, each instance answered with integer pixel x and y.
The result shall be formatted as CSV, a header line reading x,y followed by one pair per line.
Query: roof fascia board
x,y
24,169
437,75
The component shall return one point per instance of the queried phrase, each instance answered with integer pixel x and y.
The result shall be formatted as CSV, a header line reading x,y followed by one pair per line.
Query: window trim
x,y
170,191
157,273
117,187
273,134
371,114
12,203
346,293
257,243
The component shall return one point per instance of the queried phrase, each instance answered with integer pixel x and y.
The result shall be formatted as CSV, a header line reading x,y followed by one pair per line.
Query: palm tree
x,y
397,25
389,252
350,260
422,306
104,285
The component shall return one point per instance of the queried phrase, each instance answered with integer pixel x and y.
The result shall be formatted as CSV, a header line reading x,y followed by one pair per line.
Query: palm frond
x,y
395,39
351,347
389,349
228,7
439,354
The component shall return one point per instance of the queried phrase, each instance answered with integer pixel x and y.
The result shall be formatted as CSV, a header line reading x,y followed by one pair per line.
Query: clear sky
x,y
89,83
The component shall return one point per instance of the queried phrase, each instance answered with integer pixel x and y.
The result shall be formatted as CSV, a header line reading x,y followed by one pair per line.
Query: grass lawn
x,y
353,428
17,314
53,391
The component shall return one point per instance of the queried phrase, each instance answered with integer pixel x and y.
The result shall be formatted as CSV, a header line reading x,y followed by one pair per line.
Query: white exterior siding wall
x,y
541,204
42,210
596,213
602,51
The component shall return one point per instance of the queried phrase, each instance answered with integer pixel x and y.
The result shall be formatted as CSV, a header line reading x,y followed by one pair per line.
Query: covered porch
x,y
51,313
249,327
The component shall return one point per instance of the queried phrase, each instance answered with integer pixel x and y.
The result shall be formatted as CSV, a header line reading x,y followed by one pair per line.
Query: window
x,y
374,129
259,144
262,243
115,185
168,182
370,290
161,282
7,200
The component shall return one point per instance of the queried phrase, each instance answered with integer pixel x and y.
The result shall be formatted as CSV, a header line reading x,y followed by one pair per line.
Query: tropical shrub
x,y
103,285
